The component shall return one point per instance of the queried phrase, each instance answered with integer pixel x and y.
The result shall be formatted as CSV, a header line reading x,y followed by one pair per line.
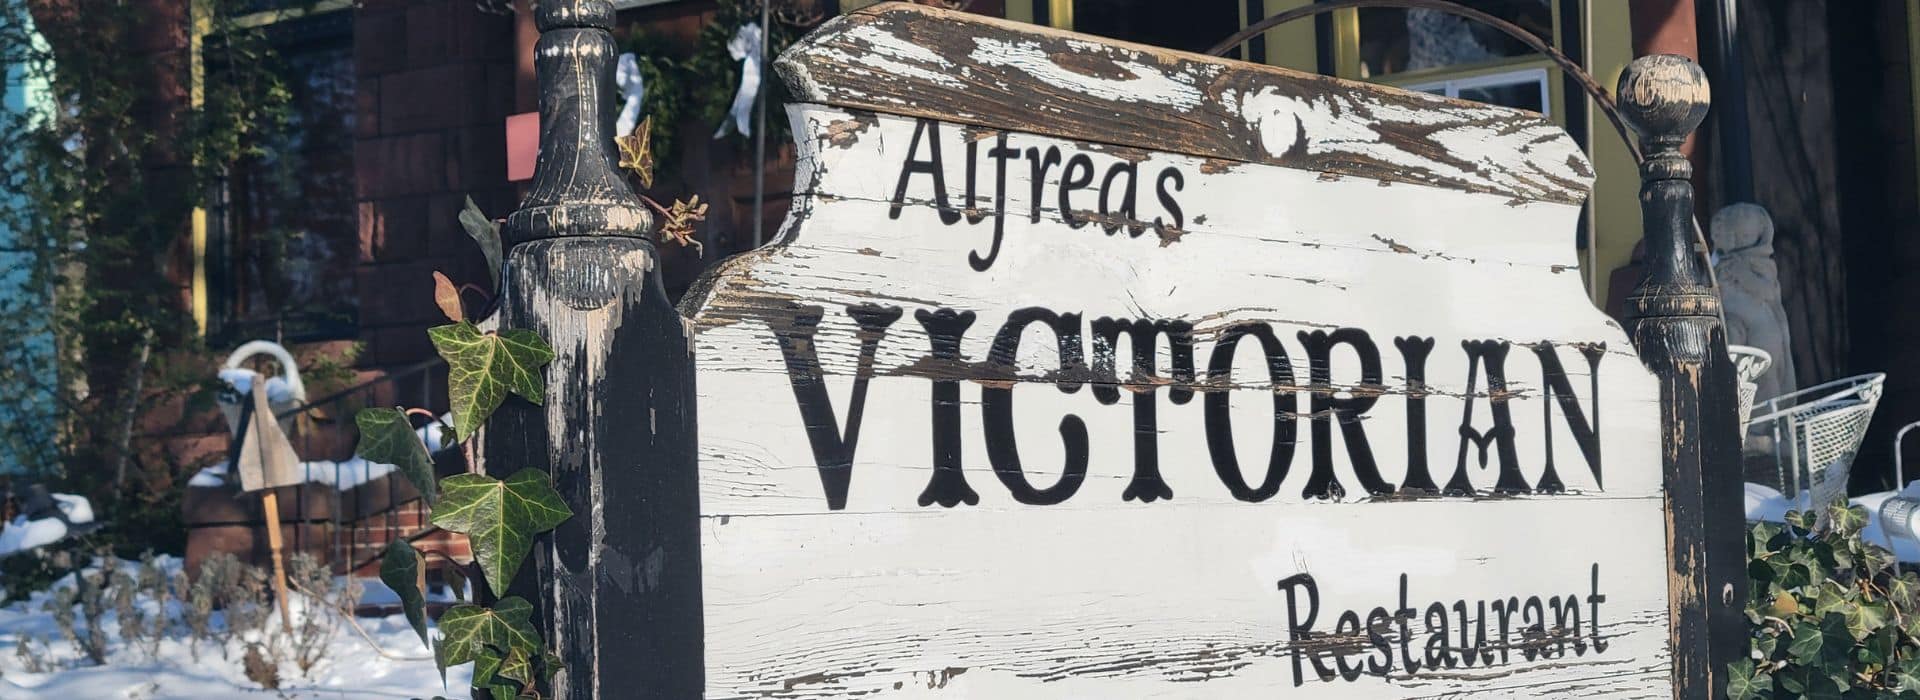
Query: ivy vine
x,y
1831,615
500,517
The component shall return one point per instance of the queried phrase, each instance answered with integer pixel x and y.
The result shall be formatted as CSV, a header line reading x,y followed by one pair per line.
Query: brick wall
x,y
435,84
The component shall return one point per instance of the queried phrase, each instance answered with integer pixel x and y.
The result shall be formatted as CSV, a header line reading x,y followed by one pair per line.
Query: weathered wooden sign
x,y
1089,370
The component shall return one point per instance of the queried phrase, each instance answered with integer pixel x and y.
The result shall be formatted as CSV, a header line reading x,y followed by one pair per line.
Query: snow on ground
x,y
352,668
340,475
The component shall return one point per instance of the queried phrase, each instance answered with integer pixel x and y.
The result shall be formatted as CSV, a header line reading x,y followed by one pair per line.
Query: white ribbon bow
x,y
744,47
634,86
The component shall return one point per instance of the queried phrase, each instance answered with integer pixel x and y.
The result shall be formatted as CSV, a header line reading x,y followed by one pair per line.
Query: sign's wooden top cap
x,y
913,60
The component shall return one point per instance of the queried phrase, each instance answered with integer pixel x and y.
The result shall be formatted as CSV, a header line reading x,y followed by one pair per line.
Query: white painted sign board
x,y
1033,398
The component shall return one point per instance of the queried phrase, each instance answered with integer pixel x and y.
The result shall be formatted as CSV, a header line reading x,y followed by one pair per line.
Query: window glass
x,y
289,235
1521,89
1523,94
1195,25
1400,40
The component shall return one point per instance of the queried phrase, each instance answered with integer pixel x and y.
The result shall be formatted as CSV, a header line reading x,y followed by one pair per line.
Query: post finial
x,y
577,187
1663,98
561,14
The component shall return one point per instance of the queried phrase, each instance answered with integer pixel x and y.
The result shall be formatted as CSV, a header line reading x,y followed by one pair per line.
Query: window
x,y
284,238
1522,89
1446,54
1197,26
1402,40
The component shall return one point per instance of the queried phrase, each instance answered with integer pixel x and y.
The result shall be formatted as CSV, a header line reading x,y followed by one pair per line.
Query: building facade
x,y
402,109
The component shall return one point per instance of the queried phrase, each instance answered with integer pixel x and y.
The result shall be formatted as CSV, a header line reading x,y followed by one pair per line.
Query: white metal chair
x,y
1748,364
1816,433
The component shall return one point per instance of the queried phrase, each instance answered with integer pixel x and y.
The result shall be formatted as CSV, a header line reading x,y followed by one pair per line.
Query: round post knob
x,y
1663,98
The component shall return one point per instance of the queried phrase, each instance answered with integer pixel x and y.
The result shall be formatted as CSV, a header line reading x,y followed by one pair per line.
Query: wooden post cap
x,y
577,187
1663,98
561,14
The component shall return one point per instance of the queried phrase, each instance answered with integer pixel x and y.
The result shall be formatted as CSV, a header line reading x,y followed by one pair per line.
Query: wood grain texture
x,y
1675,314
617,432
978,591
913,60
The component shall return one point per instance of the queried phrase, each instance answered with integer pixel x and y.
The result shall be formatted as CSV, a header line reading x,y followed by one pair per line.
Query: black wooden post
x,y
1675,315
618,585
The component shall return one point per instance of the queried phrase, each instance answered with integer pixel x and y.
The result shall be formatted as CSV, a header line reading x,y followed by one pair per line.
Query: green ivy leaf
x,y
517,666
1864,618
1879,647
466,631
440,660
483,367
500,518
486,666
1802,521
1837,642
1847,519
550,664
484,232
1906,675
1807,640
386,437
400,570
1744,684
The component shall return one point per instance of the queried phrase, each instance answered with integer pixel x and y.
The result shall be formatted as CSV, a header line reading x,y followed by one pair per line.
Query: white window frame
x,y
1453,87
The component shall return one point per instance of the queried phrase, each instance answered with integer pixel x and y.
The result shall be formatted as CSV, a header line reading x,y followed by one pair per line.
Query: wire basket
x,y
1816,432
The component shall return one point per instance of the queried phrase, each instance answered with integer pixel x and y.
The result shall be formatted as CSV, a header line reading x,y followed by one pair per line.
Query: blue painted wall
x,y
27,372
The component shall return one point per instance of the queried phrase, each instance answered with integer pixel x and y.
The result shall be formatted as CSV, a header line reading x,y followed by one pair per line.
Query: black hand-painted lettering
x,y
1000,155
972,203
1504,609
1556,386
930,130
1128,209
1566,623
1491,630
1593,616
1439,645
1327,408
1077,175
1300,630
996,408
1147,485
832,449
1379,623
1040,164
1219,421
1492,356
1405,615
1414,351
1347,626
1473,650
948,485
1533,614
1166,198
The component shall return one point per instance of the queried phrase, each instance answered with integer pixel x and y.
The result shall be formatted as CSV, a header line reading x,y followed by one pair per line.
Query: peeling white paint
x,y
1102,597
1149,84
